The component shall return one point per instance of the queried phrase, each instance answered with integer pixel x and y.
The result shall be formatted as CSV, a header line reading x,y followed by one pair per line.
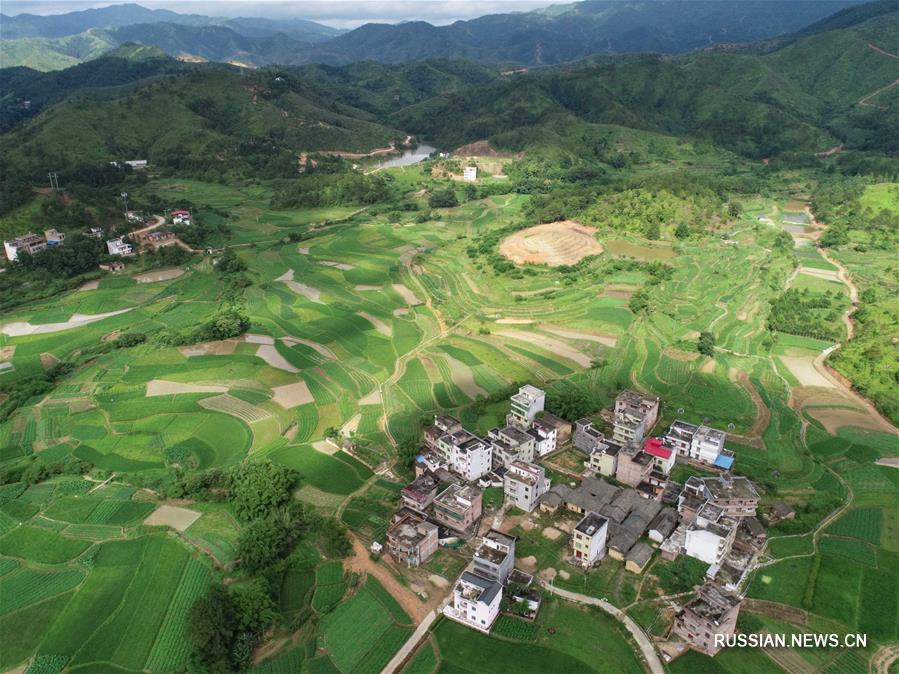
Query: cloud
x,y
340,13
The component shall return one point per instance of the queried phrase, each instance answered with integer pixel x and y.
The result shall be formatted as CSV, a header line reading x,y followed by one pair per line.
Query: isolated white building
x,y
476,602
119,247
470,174
523,485
545,434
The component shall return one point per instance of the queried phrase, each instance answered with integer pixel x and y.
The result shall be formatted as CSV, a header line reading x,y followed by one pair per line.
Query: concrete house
x,y
604,458
588,539
712,611
119,247
412,540
511,444
495,557
465,454
30,243
634,416
563,428
545,436
663,457
443,425
735,495
525,405
634,466
476,601
523,485
420,493
470,174
711,535
700,443
54,237
586,436
458,506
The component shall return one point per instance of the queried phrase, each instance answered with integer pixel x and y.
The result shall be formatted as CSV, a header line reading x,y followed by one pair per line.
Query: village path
x,y
643,641
160,221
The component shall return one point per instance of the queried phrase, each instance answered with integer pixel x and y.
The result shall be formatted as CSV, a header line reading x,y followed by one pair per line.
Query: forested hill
x,y
558,34
816,92
564,33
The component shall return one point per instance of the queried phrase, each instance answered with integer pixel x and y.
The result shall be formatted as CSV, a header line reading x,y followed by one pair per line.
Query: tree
x,y
706,344
445,198
262,543
259,487
653,231
571,404
682,231
734,209
212,625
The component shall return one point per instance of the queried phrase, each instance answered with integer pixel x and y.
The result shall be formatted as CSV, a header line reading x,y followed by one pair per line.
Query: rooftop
x,y
479,588
410,531
640,554
591,524
458,497
727,486
654,447
712,602
682,430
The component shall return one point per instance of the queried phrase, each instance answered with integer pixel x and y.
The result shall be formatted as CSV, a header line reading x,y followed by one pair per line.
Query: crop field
x,y
353,648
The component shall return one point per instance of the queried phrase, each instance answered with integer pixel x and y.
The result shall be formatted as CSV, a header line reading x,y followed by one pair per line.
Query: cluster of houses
x,y
626,504
32,243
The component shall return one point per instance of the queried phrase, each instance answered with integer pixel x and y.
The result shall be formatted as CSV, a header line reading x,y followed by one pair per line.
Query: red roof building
x,y
174,213
662,456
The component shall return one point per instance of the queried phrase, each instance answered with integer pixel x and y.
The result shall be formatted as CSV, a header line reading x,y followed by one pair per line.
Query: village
x,y
149,235
623,507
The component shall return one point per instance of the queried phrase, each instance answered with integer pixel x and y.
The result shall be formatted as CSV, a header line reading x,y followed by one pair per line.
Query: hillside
x,y
203,117
570,32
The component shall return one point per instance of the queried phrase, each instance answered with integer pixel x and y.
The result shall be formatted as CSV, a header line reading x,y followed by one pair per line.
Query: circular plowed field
x,y
555,244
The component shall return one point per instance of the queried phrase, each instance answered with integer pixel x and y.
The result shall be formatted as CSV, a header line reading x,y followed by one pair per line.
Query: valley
x,y
279,348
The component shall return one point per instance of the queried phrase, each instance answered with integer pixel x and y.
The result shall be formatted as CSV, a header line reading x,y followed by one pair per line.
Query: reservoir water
x,y
409,157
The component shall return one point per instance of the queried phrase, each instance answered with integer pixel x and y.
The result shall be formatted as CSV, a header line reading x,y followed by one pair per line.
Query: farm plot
x,y
329,586
27,587
355,650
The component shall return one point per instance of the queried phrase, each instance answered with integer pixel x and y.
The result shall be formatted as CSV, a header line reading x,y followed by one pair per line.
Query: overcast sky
x,y
338,13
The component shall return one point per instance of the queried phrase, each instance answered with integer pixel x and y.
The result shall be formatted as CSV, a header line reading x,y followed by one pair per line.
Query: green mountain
x,y
43,53
114,16
569,32
791,101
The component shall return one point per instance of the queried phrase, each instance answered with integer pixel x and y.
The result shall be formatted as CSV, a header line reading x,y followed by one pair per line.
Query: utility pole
x,y
54,180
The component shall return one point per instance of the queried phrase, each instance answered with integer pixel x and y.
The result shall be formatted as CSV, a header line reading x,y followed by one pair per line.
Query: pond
x,y
408,157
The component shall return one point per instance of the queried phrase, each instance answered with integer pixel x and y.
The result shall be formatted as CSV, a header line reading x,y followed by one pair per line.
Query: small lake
x,y
408,157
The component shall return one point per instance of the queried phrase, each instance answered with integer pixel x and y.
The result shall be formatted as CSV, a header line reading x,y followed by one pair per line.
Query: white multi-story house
x,y
119,247
523,485
588,539
470,174
711,535
545,435
700,443
472,458
525,405
476,602
511,444
495,557
28,243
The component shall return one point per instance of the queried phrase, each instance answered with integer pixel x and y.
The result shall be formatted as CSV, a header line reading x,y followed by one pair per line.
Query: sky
x,y
337,13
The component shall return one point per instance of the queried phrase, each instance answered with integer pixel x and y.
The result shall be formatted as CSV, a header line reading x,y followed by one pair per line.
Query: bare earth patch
x,y
605,339
159,275
21,328
365,288
172,516
343,266
323,350
325,447
302,250
826,274
554,244
7,352
90,285
892,461
306,291
258,339
552,345
378,324
803,368
270,355
528,563
407,295
223,347
709,366
514,321
48,360
564,575
373,398
438,581
464,378
551,533
163,387
292,395
352,425
678,354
